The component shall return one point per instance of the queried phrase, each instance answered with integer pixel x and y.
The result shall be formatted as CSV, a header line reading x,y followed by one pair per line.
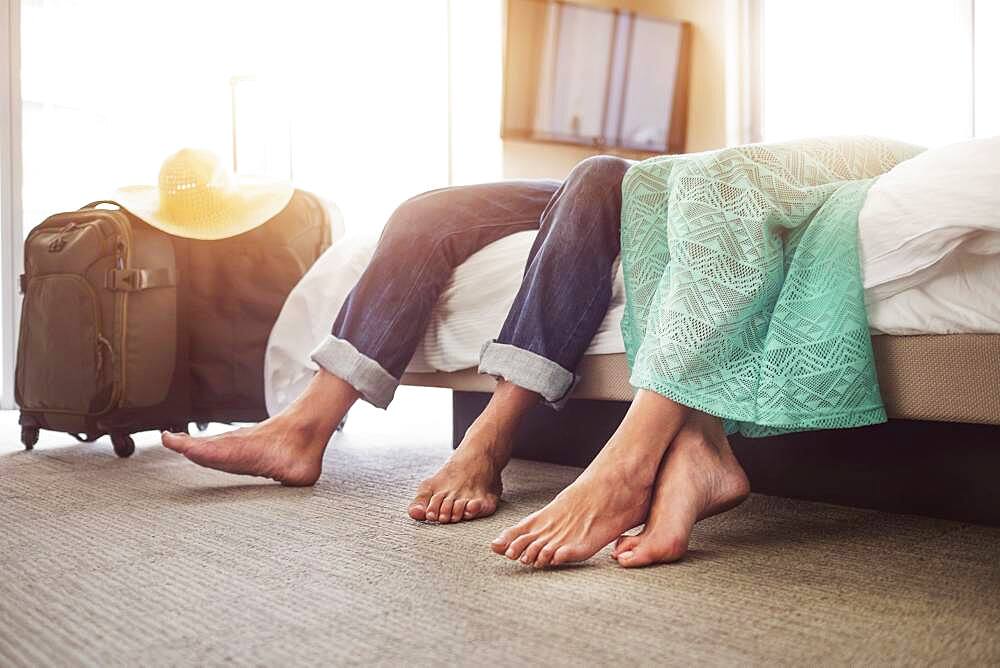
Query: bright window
x,y
922,72
363,103
351,100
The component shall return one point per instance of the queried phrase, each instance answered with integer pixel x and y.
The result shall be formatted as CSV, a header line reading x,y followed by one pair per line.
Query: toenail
x,y
509,553
626,555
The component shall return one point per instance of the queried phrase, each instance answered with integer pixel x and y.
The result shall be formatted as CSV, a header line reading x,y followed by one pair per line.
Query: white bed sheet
x,y
960,297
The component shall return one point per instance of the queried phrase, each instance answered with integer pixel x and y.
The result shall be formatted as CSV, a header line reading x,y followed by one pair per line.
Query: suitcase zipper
x,y
122,262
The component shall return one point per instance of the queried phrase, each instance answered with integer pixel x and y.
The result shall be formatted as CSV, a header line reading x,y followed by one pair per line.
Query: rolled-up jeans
x,y
563,298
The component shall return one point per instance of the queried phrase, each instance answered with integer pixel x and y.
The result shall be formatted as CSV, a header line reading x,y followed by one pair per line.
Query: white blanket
x,y
929,239
925,272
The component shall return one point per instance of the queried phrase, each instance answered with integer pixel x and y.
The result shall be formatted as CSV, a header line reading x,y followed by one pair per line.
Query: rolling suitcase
x,y
125,328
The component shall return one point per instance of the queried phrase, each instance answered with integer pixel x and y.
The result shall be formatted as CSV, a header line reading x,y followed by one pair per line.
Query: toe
x,y
637,557
544,557
624,544
472,509
176,442
653,551
489,505
482,507
444,515
530,554
418,508
566,554
434,506
503,541
458,510
518,545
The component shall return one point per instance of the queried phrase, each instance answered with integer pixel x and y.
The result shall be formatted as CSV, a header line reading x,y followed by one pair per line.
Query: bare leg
x,y
469,485
287,447
611,496
699,477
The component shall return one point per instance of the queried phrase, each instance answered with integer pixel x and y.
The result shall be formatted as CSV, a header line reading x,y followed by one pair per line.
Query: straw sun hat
x,y
198,198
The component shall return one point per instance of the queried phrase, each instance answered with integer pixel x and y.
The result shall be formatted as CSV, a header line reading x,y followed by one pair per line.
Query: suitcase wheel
x,y
202,426
29,436
123,444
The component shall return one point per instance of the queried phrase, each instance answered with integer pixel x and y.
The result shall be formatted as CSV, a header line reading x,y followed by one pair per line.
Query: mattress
x,y
960,298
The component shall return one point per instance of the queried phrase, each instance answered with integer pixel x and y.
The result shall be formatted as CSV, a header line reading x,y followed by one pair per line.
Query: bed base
x,y
938,469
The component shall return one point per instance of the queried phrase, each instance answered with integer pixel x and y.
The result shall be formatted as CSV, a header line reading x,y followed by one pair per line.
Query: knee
x,y
724,163
416,222
598,174
646,171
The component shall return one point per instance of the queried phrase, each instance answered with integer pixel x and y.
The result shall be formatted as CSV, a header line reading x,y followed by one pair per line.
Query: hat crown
x,y
193,184
197,197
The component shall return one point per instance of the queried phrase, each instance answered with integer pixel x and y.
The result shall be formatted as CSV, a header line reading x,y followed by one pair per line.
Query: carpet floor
x,y
153,561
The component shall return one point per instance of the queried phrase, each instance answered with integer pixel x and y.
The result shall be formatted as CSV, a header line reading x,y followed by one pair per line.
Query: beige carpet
x,y
152,561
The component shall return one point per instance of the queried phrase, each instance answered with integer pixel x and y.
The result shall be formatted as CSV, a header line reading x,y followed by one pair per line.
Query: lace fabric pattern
x,y
743,283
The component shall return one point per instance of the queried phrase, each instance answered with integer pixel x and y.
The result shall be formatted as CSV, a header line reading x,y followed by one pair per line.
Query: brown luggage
x,y
125,328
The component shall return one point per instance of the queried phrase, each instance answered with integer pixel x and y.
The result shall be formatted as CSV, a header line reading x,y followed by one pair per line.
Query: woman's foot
x,y
288,447
611,496
699,477
468,486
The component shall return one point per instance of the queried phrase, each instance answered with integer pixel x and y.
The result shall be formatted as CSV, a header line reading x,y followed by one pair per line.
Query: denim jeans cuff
x,y
337,356
528,370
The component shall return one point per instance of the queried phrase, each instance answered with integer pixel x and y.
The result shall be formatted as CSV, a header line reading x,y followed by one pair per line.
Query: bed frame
x,y
939,455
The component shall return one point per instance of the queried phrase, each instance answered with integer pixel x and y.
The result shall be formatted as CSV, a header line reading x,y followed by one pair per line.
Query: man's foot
x,y
699,477
288,447
611,496
468,486
289,454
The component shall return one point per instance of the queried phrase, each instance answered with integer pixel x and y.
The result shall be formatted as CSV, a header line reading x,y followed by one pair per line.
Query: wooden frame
x,y
676,139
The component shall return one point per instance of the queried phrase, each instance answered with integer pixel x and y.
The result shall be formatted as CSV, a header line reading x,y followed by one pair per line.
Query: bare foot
x,y
288,447
468,486
272,449
699,477
611,496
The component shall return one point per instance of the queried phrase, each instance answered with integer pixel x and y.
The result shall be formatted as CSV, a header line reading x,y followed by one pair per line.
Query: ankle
x,y
622,467
488,437
304,429
636,457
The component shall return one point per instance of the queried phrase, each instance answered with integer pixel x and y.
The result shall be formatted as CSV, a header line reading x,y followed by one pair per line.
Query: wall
x,y
707,105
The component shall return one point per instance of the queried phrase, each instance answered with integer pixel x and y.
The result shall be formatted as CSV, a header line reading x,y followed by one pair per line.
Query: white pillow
x,y
942,202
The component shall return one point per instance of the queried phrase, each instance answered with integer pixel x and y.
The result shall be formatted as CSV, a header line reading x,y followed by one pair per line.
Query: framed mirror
x,y
576,74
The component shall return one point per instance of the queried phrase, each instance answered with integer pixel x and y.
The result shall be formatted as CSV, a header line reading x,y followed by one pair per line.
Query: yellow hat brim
x,y
250,205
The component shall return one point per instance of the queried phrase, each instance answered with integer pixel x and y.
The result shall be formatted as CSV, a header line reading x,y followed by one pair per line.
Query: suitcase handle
x,y
97,203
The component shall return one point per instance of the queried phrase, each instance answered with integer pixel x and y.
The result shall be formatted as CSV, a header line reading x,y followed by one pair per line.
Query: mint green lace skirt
x,y
743,283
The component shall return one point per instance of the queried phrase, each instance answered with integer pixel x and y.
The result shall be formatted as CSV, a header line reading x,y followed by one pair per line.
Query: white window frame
x,y
744,77
11,235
